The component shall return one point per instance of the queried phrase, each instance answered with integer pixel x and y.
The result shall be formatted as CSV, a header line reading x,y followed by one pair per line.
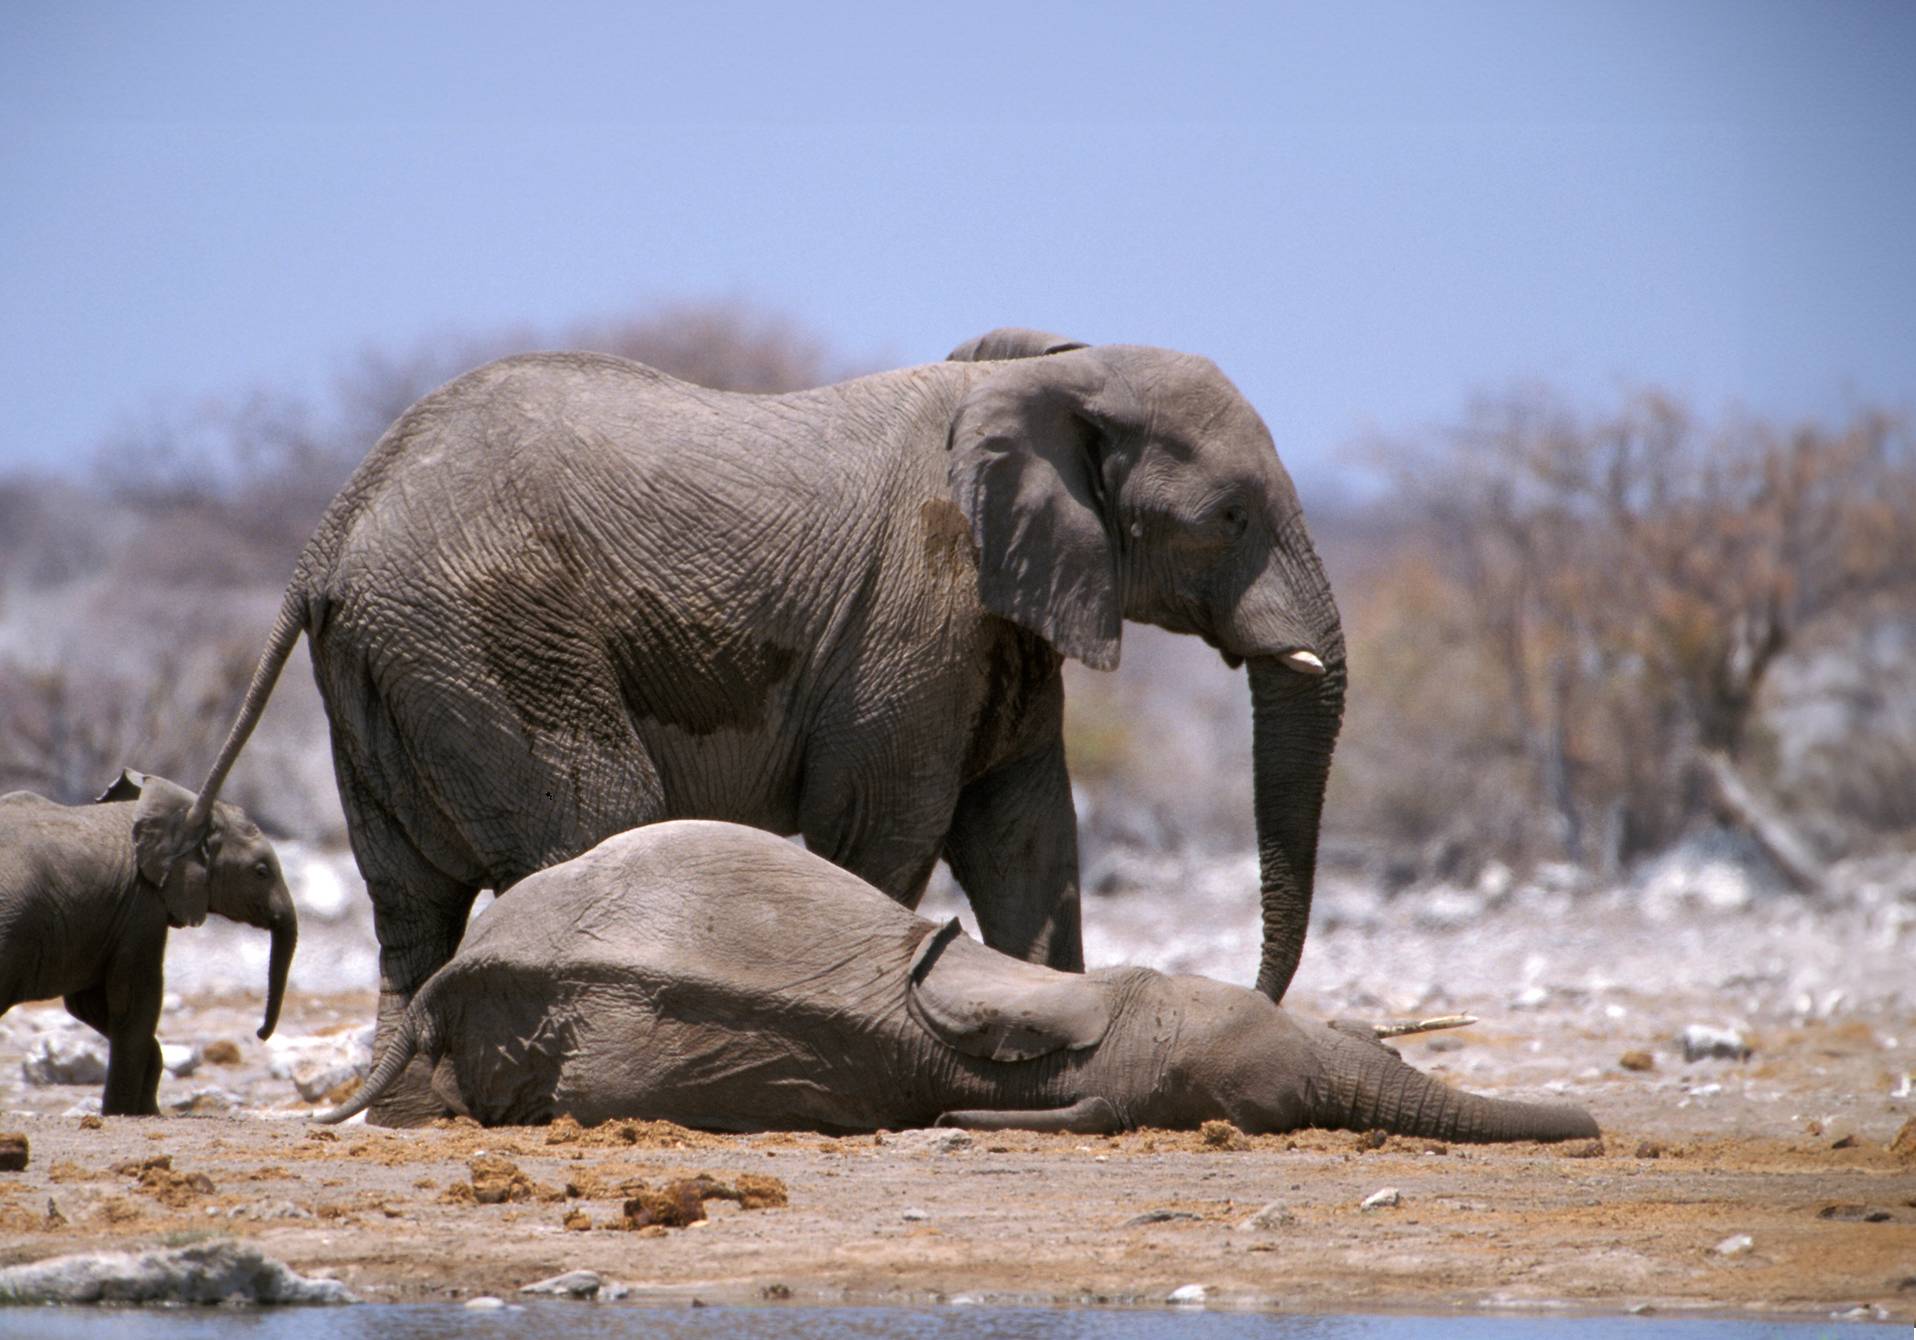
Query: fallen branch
x,y
1399,1028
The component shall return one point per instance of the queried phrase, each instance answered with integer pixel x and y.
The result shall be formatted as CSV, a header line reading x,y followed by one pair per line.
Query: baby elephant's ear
x,y
983,1003
127,786
166,851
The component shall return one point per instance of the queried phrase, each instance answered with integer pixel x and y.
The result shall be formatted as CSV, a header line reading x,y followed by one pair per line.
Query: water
x,y
577,1321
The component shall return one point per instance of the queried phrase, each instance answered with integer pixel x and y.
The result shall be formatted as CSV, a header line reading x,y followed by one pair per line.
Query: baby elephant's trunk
x,y
283,922
1367,1087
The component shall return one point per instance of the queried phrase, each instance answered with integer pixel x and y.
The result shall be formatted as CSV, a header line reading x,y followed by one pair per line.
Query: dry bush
x,y
727,346
1581,608
67,732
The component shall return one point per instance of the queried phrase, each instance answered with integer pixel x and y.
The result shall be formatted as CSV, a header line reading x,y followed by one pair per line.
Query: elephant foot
x,y
410,1101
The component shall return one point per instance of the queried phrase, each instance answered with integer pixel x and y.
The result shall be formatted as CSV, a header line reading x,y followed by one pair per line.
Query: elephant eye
x,y
262,869
1234,518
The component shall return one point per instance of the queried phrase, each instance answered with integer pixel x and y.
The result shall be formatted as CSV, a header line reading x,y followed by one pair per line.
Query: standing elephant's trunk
x,y
1366,1087
1295,714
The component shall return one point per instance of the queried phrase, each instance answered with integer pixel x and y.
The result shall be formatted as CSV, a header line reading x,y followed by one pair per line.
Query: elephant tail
x,y
286,630
407,1042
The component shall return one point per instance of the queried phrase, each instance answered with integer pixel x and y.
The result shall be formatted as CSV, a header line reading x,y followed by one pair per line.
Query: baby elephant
x,y
720,977
86,898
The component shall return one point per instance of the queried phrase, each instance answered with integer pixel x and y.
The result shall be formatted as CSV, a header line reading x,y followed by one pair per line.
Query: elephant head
x,y
232,870
1179,1051
1120,482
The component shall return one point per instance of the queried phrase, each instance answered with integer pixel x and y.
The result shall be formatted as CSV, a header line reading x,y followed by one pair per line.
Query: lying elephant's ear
x,y
983,1003
1037,454
171,859
1012,342
127,786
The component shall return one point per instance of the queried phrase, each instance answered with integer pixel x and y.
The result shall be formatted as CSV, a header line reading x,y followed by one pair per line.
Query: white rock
x,y
572,1284
937,1140
215,1272
1187,1295
1274,1215
58,1060
1381,1199
318,1065
1494,881
314,1082
914,1215
209,1099
1447,907
485,1302
1530,998
179,1060
320,888
1700,1041
1739,1245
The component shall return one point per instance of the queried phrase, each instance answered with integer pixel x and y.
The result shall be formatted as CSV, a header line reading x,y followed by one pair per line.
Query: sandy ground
x,y
1804,1148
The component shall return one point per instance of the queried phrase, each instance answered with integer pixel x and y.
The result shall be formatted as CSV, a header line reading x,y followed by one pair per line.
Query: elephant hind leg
x,y
419,917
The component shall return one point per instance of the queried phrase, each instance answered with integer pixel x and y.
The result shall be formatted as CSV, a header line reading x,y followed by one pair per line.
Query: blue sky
x,y
1364,212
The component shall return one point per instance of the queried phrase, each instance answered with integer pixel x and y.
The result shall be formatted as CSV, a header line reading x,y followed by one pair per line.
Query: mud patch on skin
x,y
1023,691
701,676
947,541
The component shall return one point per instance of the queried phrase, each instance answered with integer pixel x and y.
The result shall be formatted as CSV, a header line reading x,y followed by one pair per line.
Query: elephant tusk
x,y
1304,662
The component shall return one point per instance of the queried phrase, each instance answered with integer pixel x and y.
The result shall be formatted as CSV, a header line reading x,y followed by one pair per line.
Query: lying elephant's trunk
x,y
1365,1086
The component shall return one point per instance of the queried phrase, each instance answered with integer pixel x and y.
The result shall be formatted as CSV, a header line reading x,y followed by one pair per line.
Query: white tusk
x,y
1304,662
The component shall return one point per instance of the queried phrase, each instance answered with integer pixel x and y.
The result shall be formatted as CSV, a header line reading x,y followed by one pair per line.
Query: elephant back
x,y
696,904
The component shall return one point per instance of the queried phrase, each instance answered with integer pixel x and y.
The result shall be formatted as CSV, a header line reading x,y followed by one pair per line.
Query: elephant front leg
x,y
1013,846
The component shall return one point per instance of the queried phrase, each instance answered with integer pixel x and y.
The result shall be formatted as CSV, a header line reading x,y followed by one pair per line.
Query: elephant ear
x,y
983,1003
127,786
1036,453
170,858
1012,342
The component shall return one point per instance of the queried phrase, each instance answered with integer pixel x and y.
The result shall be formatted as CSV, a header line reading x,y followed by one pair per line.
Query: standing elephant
x,y
566,595
716,976
85,906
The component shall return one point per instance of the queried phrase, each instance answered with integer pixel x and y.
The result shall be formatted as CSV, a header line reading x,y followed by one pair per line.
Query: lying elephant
x,y
716,976
84,913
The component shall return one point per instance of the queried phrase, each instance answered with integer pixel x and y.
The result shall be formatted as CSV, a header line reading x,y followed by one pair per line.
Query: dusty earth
x,y
1783,1183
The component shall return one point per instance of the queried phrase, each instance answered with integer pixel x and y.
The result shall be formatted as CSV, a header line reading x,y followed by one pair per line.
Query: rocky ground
x,y
1771,1165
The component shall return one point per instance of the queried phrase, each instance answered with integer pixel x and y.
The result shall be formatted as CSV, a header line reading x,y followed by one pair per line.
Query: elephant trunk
x,y
283,922
1294,723
1366,1087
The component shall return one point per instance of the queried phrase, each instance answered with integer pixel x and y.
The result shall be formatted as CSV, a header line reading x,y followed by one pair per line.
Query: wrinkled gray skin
x,y
567,595
716,976
84,914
